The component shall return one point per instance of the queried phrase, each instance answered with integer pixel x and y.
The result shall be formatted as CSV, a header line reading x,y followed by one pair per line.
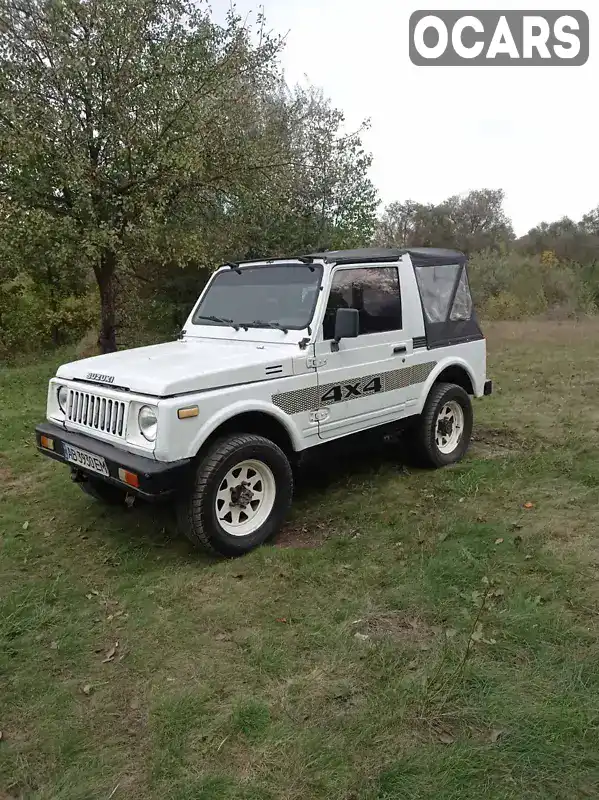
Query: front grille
x,y
97,413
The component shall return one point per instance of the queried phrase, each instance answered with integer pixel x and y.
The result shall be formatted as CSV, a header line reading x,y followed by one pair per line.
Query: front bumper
x,y
157,479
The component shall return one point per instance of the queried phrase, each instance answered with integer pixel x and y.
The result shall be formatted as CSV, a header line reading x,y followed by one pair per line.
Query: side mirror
x,y
347,325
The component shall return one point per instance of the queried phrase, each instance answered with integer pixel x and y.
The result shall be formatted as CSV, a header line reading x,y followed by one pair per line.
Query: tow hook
x,y
77,476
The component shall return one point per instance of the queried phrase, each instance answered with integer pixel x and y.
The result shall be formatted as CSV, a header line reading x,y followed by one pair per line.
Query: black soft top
x,y
420,256
442,278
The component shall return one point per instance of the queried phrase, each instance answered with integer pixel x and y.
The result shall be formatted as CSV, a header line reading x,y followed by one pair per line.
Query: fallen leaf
x,y
25,525
239,576
89,596
87,689
134,704
221,637
96,592
450,633
498,541
281,619
111,653
516,526
361,636
495,734
53,645
527,558
529,505
446,738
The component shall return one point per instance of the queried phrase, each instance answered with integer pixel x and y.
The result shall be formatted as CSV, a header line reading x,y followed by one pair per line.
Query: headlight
x,y
148,422
62,396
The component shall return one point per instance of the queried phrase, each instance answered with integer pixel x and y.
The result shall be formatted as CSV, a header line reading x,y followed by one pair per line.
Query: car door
x,y
362,384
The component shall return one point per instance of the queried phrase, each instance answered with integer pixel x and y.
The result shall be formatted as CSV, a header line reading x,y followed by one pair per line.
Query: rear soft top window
x,y
449,316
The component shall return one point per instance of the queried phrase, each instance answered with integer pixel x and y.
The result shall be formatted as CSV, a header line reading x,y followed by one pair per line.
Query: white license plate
x,y
83,459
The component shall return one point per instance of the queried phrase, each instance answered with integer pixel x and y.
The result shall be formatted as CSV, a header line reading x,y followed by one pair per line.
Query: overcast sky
x,y
533,131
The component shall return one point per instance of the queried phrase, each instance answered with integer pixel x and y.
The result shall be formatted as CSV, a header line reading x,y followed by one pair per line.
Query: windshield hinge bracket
x,y
314,363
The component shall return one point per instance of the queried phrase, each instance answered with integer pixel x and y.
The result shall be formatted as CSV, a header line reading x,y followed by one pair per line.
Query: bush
x,y
33,318
510,285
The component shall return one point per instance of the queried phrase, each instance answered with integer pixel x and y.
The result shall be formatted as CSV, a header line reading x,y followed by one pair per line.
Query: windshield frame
x,y
312,267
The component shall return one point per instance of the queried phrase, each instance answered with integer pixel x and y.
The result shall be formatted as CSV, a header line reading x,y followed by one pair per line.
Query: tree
x,y
470,223
569,240
324,198
120,118
138,135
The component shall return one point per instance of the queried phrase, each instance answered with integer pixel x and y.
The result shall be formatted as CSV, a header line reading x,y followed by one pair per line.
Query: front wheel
x,y
443,431
240,495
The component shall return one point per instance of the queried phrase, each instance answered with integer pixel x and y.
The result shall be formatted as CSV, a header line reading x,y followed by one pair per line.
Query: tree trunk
x,y
105,275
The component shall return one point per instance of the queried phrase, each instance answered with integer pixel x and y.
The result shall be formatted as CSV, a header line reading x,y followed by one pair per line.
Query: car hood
x,y
183,366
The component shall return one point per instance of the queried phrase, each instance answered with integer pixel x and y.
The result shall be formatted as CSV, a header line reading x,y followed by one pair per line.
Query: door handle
x,y
400,348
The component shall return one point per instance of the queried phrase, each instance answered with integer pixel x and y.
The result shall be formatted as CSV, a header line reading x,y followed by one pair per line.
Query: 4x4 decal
x,y
354,388
349,391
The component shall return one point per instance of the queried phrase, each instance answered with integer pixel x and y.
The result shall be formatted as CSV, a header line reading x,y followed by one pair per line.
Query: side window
x,y
373,291
436,289
462,305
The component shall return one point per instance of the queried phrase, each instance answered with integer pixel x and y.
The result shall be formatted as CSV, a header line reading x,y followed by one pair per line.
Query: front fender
x,y
243,407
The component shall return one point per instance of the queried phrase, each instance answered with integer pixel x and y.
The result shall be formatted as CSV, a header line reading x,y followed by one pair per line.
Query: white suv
x,y
277,357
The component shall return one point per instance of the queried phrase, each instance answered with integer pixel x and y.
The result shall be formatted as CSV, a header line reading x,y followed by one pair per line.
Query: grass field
x,y
410,635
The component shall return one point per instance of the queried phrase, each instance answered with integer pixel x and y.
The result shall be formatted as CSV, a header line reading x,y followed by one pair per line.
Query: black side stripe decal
x,y
313,397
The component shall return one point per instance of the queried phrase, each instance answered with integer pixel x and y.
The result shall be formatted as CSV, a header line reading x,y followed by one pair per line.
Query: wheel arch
x,y
451,371
261,419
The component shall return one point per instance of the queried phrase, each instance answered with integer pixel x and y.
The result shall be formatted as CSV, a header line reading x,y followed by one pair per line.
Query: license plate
x,y
83,459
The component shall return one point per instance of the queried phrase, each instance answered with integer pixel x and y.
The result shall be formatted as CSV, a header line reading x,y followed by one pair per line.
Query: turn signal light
x,y
184,413
46,442
129,477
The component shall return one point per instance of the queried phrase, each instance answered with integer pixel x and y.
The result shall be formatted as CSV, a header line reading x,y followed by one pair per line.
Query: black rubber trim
x,y
157,479
458,340
488,388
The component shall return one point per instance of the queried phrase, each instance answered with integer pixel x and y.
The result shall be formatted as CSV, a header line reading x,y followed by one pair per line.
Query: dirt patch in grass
x,y
303,536
398,626
490,442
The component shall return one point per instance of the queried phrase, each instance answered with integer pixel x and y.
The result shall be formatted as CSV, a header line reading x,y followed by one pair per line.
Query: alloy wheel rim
x,y
245,497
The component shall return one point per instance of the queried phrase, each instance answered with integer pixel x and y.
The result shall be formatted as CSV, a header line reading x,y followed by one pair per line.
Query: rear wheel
x,y
442,434
240,495
103,492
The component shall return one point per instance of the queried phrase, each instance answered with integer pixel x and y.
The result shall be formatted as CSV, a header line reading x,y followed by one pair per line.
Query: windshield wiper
x,y
223,320
259,323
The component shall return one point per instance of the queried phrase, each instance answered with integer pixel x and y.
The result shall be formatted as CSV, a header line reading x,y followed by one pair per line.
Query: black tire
x,y
103,492
196,508
422,438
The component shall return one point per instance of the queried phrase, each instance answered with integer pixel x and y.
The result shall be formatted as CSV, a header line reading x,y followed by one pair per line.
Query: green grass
x,y
410,635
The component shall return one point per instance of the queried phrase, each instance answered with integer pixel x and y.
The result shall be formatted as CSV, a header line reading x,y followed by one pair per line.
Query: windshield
x,y
274,295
